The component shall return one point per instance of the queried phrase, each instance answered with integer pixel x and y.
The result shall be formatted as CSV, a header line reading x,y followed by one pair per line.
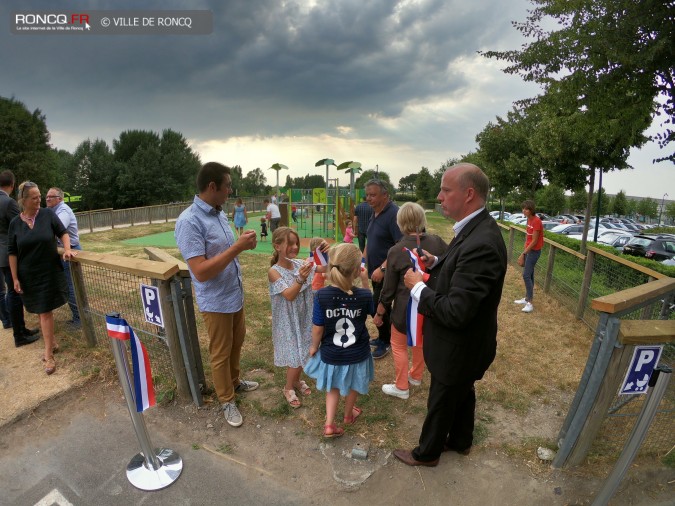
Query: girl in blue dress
x,y
341,362
239,216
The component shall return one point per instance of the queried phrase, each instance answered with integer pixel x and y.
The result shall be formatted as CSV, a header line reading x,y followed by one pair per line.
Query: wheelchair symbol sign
x,y
645,359
152,309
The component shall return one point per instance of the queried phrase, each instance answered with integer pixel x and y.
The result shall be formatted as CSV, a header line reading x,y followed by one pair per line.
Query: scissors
x,y
420,253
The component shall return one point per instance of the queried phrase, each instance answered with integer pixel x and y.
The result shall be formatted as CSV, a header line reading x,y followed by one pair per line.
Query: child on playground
x,y
292,302
319,278
349,232
343,365
263,229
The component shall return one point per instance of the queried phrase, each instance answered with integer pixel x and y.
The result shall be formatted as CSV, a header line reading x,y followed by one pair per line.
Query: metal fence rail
x,y
575,280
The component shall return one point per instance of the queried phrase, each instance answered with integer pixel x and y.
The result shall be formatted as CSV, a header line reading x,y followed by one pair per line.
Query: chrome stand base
x,y
144,477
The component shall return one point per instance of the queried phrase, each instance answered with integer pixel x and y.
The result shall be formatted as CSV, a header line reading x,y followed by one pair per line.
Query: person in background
x,y
36,265
460,315
394,297
273,215
55,202
319,278
205,240
349,232
534,242
239,216
263,229
9,209
383,233
362,215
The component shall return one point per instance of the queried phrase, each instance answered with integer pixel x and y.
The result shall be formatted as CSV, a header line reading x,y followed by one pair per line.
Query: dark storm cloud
x,y
267,64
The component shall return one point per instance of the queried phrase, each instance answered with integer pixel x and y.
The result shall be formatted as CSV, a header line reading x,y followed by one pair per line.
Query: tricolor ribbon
x,y
363,263
144,391
320,258
414,320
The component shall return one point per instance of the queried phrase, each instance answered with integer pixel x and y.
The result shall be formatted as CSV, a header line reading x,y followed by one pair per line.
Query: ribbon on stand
x,y
144,390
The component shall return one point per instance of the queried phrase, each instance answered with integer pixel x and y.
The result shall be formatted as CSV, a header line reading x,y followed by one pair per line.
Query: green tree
x,y
620,204
369,174
605,204
506,157
24,144
577,201
94,174
254,183
424,186
407,183
599,48
670,211
550,199
631,208
648,207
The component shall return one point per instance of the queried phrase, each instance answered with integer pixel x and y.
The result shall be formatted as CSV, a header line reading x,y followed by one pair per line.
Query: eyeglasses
x,y
48,197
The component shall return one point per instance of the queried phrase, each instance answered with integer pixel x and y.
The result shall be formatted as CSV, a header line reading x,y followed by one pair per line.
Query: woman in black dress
x,y
36,265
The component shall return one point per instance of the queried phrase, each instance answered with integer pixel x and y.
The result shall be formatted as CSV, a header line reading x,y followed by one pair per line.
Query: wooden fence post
x,y
171,328
83,303
549,268
585,284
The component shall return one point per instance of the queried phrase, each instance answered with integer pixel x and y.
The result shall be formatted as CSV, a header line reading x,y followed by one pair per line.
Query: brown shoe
x,y
407,458
447,448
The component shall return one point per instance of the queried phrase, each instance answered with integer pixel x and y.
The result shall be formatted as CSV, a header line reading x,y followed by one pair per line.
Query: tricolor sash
x,y
320,258
414,320
144,391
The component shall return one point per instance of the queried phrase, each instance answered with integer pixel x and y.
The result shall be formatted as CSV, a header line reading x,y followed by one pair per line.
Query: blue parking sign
x,y
645,359
152,309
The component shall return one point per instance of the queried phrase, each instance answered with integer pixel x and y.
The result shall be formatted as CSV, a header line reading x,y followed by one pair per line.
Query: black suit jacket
x,y
8,210
460,303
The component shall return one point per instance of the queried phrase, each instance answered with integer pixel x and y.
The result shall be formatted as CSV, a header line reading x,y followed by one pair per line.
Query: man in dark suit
x,y
8,210
460,315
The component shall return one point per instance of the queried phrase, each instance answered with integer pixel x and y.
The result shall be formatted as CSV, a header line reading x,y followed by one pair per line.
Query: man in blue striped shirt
x,y
209,247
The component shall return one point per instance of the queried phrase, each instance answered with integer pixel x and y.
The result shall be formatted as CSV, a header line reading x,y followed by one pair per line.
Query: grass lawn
x,y
540,356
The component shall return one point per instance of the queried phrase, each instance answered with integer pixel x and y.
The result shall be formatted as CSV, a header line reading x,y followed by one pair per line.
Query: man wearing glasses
x,y
210,249
67,216
383,233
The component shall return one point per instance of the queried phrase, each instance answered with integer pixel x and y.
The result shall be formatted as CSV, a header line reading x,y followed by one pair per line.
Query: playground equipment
x,y
321,212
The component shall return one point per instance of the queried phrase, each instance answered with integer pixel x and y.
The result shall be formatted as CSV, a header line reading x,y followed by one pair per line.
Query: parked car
x,y
495,215
568,229
617,241
548,225
651,246
543,216
515,216
566,218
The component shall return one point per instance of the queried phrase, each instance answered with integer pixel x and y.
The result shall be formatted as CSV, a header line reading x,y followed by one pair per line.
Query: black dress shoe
x,y
23,341
450,448
30,332
7,325
407,458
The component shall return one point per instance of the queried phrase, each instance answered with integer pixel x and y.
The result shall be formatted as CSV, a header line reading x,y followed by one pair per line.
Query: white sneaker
x,y
390,389
413,381
528,308
232,414
520,301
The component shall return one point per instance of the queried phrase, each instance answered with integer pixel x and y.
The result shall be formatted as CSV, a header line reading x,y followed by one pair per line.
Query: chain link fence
x,y
574,280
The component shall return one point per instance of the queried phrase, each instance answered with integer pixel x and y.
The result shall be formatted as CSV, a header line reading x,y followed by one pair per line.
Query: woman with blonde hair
x,y
412,221
35,263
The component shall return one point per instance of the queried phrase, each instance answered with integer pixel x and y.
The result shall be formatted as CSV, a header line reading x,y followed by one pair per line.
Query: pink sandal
x,y
292,399
348,420
303,388
334,431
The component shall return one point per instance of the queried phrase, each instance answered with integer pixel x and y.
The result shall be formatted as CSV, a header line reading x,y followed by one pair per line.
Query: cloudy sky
x,y
392,84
